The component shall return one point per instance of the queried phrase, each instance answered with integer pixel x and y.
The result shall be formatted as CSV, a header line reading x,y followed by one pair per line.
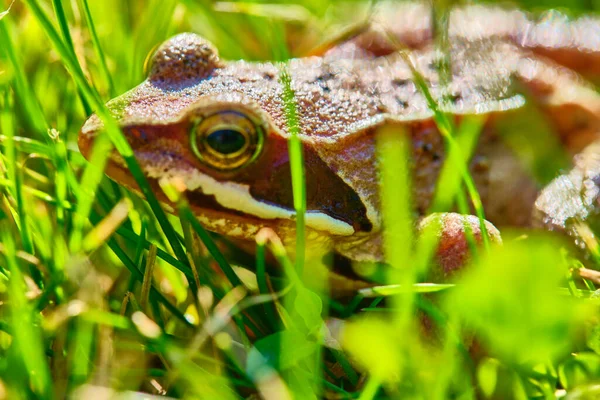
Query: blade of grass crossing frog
x,y
296,165
448,184
307,305
112,128
27,338
446,127
392,147
449,187
441,18
98,48
463,208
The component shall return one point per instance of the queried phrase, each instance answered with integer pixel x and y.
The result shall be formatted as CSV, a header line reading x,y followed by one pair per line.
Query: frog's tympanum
x,y
220,127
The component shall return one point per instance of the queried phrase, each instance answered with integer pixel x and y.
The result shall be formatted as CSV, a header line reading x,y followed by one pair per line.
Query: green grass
x,y
99,289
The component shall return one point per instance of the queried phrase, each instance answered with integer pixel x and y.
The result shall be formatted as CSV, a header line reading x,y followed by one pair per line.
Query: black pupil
x,y
226,141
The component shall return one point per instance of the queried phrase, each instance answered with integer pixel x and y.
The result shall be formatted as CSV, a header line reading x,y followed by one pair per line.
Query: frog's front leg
x,y
452,233
573,197
573,108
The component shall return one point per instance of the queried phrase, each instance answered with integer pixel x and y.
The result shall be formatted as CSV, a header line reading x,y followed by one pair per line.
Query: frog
x,y
219,128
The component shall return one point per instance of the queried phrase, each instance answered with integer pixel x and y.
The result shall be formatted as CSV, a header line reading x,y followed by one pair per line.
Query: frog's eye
x,y
226,140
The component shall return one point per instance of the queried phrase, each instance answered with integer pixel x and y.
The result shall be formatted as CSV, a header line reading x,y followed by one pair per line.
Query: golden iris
x,y
226,140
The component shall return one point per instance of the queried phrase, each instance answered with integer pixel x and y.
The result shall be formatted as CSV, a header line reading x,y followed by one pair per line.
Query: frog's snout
x,y
85,142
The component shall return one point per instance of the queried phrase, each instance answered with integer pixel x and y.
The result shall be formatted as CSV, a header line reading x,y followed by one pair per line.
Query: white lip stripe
x,y
237,197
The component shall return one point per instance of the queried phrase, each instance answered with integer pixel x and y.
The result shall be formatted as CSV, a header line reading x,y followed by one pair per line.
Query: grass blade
x,y
97,48
296,166
112,128
26,333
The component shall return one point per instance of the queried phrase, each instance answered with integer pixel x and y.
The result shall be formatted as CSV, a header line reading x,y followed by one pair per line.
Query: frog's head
x,y
219,128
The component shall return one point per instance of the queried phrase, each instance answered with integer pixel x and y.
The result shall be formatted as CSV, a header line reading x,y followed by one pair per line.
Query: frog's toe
x,y
453,251
183,58
573,197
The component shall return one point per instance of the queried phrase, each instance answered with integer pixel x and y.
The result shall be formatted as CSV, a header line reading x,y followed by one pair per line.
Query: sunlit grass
x,y
99,289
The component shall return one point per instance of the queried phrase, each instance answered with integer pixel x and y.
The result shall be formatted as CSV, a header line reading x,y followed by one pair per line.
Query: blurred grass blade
x,y
211,246
61,175
92,175
101,232
151,28
66,33
64,25
29,347
27,100
391,290
289,12
14,175
449,180
447,129
111,126
98,48
140,277
174,190
392,148
147,281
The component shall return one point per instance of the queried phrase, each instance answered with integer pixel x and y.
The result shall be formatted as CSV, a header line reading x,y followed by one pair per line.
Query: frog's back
x,y
334,96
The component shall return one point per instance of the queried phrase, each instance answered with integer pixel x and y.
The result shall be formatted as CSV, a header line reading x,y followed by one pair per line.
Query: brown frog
x,y
220,128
